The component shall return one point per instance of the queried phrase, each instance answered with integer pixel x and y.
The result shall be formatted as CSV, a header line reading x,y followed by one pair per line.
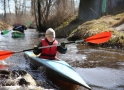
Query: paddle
x,y
97,39
5,32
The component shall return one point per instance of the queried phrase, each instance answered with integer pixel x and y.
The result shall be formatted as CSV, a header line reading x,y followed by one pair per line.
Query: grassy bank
x,y
74,29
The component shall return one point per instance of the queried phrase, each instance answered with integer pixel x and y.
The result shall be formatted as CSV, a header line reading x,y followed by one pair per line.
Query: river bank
x,y
75,29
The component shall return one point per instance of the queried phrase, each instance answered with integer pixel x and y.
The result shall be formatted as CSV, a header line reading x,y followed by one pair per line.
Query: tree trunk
x,y
40,26
89,9
9,6
4,8
16,8
32,7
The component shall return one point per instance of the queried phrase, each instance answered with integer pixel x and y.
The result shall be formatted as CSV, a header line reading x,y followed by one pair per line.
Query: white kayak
x,y
60,69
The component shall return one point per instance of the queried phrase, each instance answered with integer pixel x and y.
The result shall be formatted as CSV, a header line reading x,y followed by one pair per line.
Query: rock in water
x,y
17,79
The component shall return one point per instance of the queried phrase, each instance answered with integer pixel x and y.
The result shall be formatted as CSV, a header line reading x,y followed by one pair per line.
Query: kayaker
x,y
49,53
20,28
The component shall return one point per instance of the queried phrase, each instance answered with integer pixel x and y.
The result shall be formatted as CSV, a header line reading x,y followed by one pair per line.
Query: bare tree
x,y
46,13
20,7
51,13
41,12
16,7
32,7
9,6
4,8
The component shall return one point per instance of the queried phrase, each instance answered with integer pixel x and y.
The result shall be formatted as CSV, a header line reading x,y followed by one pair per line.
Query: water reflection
x,y
103,78
102,69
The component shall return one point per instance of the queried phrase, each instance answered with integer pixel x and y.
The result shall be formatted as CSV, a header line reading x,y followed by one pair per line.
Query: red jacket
x,y
48,53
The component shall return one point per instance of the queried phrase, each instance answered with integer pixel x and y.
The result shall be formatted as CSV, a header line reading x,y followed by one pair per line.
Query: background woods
x,y
52,13
42,13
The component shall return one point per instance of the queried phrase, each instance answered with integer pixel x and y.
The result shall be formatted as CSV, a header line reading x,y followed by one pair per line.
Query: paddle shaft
x,y
51,46
99,38
96,39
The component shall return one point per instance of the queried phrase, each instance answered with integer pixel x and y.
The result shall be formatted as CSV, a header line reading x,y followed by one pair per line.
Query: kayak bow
x,y
60,68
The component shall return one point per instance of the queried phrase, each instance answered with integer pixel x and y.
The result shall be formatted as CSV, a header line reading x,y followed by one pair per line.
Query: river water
x,y
101,69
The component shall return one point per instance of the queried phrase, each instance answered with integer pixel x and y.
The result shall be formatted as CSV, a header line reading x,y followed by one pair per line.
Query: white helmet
x,y
50,32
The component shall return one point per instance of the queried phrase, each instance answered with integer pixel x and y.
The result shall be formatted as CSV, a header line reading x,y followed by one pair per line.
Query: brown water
x,y
101,69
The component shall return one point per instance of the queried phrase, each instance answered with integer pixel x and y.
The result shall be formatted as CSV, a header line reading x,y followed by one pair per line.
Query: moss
x,y
64,24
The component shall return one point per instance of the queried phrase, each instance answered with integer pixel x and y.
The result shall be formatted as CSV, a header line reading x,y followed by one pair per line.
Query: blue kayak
x,y
59,68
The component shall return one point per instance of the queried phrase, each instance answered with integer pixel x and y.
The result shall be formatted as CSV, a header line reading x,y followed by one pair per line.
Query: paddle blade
x,y
5,32
99,38
5,54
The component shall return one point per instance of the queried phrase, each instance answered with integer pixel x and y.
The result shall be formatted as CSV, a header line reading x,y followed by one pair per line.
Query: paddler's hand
x,y
35,49
1,33
62,45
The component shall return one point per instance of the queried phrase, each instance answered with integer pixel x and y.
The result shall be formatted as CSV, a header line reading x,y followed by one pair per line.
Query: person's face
x,y
50,38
